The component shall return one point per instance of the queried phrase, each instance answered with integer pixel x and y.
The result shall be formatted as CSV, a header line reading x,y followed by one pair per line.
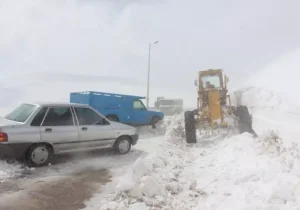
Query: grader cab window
x,y
211,81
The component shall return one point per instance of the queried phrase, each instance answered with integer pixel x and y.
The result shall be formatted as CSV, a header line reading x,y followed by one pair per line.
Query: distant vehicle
x,y
169,106
126,109
36,132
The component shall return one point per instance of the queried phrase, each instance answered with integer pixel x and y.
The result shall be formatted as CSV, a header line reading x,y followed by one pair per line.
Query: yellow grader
x,y
214,109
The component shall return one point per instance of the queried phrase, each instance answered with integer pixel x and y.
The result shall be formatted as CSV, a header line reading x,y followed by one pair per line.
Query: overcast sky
x,y
110,37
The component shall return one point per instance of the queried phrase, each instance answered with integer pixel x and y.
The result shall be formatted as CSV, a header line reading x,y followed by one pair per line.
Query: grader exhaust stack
x,y
214,109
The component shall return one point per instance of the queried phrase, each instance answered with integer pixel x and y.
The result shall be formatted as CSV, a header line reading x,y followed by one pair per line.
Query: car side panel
x,y
22,134
20,138
96,136
62,137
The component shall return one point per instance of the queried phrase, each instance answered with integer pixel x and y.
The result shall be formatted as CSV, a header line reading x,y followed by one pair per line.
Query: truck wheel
x,y
244,120
113,118
39,155
123,145
190,127
154,121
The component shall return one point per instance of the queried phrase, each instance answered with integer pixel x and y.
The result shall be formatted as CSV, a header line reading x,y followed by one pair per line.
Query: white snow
x,y
8,171
240,172
281,76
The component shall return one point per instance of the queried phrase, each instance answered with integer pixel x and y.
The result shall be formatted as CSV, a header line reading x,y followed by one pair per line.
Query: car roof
x,y
59,104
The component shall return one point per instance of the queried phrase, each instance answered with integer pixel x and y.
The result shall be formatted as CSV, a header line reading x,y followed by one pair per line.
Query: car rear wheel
x,y
123,145
39,155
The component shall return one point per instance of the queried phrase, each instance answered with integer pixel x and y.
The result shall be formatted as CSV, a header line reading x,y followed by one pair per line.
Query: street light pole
x,y
148,75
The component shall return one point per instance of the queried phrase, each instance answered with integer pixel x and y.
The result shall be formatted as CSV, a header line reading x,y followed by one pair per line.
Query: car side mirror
x,y
102,122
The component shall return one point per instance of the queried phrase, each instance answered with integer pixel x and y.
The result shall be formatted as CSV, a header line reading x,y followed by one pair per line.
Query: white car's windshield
x,y
21,113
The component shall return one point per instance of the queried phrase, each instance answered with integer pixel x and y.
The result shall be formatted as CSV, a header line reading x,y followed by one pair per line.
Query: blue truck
x,y
126,109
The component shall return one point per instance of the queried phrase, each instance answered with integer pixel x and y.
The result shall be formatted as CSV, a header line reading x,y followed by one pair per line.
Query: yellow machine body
x,y
212,97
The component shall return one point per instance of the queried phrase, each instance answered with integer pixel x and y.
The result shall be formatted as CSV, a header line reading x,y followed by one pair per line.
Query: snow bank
x,y
152,181
272,98
239,172
275,86
263,98
280,76
243,173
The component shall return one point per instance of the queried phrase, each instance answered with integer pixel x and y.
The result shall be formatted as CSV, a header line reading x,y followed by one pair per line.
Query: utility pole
x,y
148,75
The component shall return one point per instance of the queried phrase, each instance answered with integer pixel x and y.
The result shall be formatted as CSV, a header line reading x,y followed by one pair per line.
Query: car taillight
x,y
3,137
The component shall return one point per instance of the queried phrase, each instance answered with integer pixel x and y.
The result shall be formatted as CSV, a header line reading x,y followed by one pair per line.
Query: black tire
x,y
154,121
118,143
244,120
190,127
36,148
113,118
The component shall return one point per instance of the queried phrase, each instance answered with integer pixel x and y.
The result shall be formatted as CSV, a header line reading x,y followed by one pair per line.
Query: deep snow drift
x,y
238,172
272,97
280,76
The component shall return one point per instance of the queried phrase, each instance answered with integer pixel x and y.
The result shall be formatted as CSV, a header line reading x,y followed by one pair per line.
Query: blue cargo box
x,y
104,100
127,109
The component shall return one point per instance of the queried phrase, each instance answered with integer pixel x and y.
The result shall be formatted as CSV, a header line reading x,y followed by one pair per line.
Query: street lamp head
x,y
156,42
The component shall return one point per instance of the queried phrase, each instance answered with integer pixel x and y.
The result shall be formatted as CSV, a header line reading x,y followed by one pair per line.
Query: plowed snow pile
x,y
239,172
273,99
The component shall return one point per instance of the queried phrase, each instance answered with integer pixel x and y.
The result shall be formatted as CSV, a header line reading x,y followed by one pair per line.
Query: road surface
x,y
70,180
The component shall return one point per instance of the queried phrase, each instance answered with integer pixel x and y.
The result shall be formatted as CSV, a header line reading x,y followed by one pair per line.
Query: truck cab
x,y
169,106
127,109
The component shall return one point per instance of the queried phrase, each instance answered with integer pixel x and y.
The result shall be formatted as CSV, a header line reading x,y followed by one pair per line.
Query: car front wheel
x,y
123,145
39,155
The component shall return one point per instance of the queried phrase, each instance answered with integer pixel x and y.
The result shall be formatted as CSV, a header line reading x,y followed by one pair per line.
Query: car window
x,y
87,116
138,105
59,116
37,120
21,113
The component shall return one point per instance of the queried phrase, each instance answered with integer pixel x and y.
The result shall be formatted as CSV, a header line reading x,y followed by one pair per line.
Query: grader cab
x,y
214,109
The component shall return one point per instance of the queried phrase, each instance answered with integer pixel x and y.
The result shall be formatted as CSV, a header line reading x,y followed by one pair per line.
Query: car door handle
x,y
84,128
48,129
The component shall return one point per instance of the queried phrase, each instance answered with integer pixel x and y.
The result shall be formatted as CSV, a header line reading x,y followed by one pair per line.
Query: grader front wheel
x,y
244,120
190,127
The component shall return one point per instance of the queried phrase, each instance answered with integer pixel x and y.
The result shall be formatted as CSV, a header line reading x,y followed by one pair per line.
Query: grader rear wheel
x,y
190,127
